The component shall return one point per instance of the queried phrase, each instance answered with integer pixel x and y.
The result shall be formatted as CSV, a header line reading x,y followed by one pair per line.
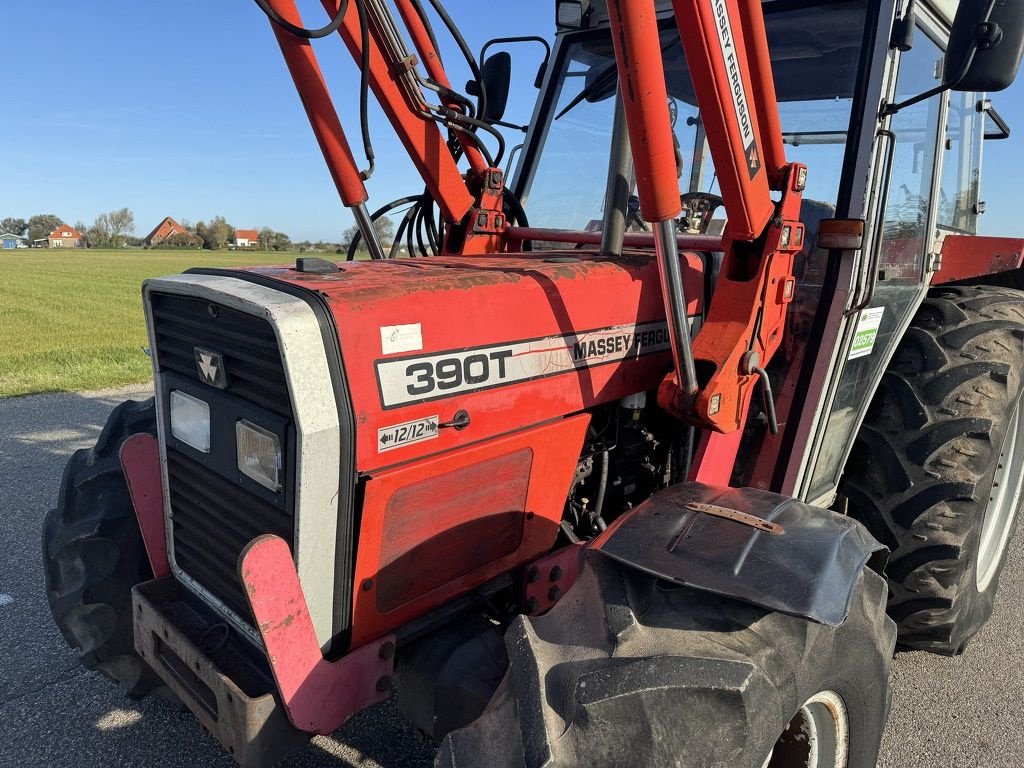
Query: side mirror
x,y
496,75
984,52
985,46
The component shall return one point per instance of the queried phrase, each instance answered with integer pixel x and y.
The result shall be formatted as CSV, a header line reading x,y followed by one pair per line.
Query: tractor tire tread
x,y
921,468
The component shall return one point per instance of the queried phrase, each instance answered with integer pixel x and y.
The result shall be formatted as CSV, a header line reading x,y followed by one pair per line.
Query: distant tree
x,y
270,240
215,234
182,240
80,226
384,227
13,226
110,229
42,224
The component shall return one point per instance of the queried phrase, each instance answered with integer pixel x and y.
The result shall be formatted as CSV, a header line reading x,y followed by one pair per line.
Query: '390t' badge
x,y
211,368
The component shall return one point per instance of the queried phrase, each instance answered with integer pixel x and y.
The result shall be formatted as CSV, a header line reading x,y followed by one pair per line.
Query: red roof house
x,y
165,229
246,238
66,237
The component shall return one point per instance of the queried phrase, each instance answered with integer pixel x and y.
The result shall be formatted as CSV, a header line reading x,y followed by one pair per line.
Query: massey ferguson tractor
x,y
676,418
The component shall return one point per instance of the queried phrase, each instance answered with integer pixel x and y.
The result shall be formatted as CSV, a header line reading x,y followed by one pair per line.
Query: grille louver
x,y
247,343
213,519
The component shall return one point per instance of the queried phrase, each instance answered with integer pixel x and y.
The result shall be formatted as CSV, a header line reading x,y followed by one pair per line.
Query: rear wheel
x,y
936,471
93,555
629,670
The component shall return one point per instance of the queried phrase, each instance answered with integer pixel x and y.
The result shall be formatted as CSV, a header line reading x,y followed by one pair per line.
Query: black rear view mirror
x,y
984,52
985,46
496,74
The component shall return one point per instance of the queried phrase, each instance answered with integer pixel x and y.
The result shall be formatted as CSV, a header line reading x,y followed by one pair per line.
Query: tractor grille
x,y
213,519
247,343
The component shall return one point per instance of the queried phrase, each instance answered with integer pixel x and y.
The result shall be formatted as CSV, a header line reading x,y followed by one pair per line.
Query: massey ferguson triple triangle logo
x,y
739,95
211,369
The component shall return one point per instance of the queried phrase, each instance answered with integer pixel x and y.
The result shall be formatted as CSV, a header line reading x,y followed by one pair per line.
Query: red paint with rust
x,y
140,460
440,527
548,578
967,256
318,695
644,94
466,302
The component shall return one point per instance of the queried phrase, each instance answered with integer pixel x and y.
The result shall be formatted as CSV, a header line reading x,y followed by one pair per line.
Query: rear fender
x,y
805,561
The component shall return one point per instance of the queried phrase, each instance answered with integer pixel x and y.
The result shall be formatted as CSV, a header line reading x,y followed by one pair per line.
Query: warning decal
x,y
736,89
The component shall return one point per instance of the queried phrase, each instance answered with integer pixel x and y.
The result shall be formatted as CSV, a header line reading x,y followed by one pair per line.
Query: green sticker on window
x,y
867,329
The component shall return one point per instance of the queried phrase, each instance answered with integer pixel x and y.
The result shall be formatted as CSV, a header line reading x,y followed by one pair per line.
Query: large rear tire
x,y
630,670
93,555
935,473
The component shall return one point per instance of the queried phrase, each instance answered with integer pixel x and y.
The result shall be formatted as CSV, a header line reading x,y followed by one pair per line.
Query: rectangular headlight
x,y
259,454
190,420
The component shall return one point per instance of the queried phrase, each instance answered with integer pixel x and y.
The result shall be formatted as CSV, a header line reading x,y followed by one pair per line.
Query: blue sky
x,y
185,108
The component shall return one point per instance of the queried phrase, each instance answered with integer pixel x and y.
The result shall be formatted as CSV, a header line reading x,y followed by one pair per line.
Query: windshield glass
x,y
815,55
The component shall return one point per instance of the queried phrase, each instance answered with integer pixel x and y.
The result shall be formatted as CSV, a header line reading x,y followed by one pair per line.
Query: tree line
x,y
115,229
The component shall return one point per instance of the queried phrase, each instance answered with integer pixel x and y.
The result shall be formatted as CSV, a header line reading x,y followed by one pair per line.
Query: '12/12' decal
x,y
389,438
443,374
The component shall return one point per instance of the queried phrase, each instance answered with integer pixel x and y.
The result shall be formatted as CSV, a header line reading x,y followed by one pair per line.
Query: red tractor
x,y
678,417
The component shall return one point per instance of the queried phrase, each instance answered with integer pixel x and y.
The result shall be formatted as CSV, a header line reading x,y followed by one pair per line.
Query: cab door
x,y
904,236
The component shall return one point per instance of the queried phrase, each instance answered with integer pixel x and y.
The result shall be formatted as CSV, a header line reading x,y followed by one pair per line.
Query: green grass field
x,y
72,320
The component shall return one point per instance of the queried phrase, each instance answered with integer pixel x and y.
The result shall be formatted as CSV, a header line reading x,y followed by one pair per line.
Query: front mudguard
x,y
807,567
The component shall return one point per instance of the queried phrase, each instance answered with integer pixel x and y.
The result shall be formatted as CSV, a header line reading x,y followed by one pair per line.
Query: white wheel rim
x,y
1004,499
818,736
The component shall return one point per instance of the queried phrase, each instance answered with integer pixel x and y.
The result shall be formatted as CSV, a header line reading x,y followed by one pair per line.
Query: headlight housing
x,y
259,454
190,420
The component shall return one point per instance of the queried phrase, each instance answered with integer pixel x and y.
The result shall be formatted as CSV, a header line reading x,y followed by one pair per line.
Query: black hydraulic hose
x,y
364,89
306,34
466,52
376,215
602,488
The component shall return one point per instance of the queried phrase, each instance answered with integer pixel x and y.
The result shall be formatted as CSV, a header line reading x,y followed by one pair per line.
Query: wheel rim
x,y
1004,499
817,736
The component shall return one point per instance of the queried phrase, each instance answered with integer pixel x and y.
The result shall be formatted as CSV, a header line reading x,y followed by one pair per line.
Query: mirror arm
x,y
522,39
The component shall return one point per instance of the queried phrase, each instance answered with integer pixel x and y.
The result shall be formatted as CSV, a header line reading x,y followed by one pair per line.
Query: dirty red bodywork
x,y
140,460
967,256
318,695
435,519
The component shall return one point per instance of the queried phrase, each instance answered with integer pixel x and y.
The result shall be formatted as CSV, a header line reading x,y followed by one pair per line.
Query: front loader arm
x,y
727,54
421,137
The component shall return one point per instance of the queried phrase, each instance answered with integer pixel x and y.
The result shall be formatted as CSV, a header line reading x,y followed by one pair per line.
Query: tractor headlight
x,y
190,420
259,454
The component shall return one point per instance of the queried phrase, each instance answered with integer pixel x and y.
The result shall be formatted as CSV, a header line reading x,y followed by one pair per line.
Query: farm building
x,y
65,237
246,238
165,229
9,242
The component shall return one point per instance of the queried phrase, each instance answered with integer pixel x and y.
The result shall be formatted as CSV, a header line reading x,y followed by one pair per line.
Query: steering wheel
x,y
698,209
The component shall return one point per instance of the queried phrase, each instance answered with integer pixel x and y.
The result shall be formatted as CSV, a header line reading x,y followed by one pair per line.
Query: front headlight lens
x,y
259,454
190,420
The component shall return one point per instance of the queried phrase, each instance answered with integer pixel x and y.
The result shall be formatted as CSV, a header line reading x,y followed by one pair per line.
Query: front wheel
x,y
93,555
630,670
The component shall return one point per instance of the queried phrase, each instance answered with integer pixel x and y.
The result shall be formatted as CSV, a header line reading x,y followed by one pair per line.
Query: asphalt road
x,y
946,712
